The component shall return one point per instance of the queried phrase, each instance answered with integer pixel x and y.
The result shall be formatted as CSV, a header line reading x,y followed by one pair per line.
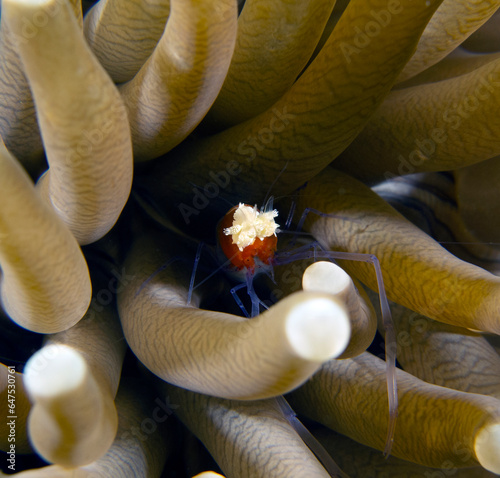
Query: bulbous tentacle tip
x,y
324,276
318,328
487,447
209,474
54,370
73,420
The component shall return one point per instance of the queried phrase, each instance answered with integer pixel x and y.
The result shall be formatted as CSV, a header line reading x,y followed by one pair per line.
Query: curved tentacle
x,y
73,421
193,348
45,283
438,126
82,119
275,40
418,272
329,278
133,452
452,23
344,393
176,86
445,355
311,124
235,441
122,34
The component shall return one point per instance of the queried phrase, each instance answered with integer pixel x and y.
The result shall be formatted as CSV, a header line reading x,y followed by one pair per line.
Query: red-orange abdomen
x,y
263,249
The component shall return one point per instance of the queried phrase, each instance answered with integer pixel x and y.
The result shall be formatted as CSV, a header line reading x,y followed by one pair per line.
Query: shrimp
x,y
247,245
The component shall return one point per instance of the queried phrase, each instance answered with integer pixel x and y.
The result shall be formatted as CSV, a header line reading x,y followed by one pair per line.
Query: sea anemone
x,y
131,127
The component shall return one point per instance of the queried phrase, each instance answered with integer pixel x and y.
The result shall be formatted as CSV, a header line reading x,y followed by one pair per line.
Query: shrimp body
x,y
247,238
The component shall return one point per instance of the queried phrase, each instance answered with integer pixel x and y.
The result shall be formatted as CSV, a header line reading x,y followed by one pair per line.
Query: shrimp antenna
x,y
156,272
291,212
193,273
195,266
151,208
312,443
268,199
222,198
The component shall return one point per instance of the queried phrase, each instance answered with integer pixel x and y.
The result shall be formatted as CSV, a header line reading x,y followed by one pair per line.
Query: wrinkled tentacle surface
x,y
132,27
82,119
452,23
446,355
268,57
131,454
238,447
283,348
307,130
176,86
45,280
437,126
340,406
360,220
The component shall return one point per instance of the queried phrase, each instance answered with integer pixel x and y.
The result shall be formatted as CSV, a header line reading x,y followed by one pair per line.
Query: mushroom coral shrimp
x,y
248,241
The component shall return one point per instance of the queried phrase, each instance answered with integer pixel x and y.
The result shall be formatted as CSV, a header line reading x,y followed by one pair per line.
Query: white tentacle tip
x,y
54,370
487,447
32,3
324,276
208,474
318,329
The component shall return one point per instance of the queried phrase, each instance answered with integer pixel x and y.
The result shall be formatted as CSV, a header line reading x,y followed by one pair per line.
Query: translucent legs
x,y
305,252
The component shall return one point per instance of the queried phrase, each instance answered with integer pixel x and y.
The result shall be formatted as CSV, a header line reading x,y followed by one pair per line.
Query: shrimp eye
x,y
245,233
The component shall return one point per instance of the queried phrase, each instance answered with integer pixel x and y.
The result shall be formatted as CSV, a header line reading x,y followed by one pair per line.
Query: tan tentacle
x,y
123,33
174,89
45,284
193,348
82,119
329,278
445,355
417,271
231,430
134,452
311,124
349,396
18,124
438,126
477,196
73,420
274,42
452,23
359,460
